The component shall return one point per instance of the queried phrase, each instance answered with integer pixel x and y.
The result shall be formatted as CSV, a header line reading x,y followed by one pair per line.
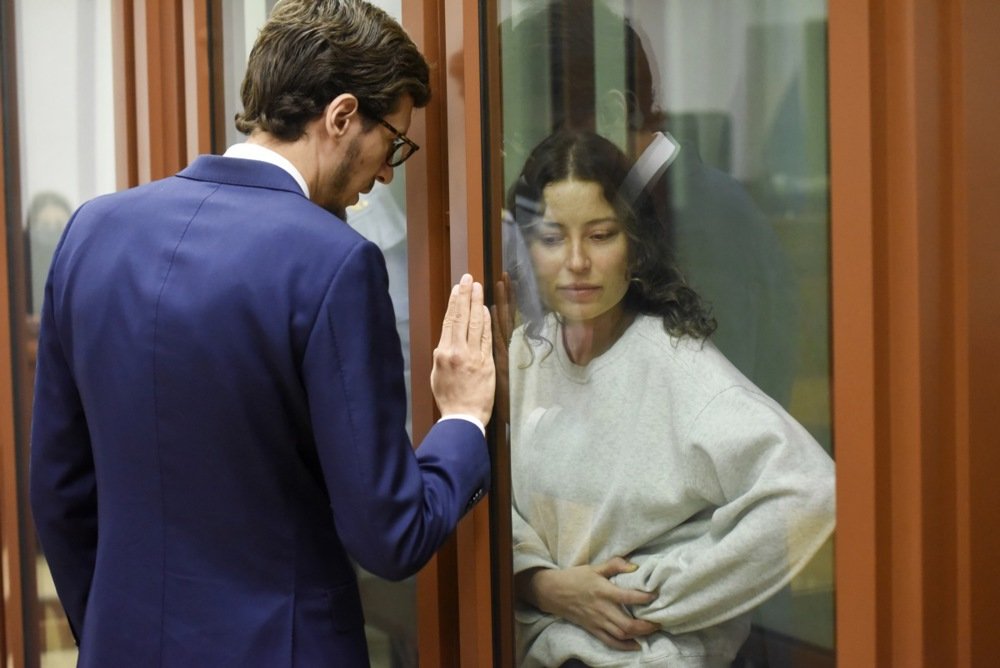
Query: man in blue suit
x,y
219,420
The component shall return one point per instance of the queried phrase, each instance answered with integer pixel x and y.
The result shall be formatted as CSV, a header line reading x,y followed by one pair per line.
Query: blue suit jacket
x,y
219,424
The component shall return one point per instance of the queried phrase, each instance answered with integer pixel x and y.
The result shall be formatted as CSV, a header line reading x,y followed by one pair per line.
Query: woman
x,y
658,495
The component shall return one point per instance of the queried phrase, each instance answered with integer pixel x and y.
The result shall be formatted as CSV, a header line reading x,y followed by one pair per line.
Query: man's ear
x,y
612,109
340,113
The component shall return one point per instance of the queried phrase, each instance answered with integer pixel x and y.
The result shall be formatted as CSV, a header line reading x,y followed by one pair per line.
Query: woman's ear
x,y
339,114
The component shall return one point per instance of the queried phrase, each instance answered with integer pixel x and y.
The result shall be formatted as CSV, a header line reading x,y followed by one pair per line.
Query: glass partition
x,y
390,608
66,132
665,200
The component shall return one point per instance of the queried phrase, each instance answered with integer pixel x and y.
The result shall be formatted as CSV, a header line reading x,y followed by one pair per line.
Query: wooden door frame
x,y
11,338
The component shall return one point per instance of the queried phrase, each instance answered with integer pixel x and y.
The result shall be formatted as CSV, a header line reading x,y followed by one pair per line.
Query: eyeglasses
x,y
402,146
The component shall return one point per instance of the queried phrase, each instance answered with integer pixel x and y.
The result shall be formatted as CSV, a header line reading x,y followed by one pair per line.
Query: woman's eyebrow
x,y
589,223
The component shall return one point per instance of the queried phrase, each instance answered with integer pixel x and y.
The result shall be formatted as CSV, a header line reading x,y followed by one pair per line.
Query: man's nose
x,y
385,173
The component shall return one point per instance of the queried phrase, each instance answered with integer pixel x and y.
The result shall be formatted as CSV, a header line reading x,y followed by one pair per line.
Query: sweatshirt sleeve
x,y
529,552
771,490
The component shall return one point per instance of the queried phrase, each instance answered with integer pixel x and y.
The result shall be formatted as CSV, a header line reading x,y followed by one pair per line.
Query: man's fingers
x,y
460,326
495,324
501,311
486,339
455,328
476,317
449,317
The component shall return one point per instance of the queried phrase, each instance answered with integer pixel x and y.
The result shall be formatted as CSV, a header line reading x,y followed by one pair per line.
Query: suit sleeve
x,y
62,482
393,507
772,487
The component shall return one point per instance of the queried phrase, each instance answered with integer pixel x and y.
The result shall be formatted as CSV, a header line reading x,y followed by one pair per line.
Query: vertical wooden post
x,y
163,75
10,214
19,627
427,187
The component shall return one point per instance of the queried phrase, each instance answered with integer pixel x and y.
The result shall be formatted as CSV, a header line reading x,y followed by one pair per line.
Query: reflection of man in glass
x,y
658,495
46,219
721,242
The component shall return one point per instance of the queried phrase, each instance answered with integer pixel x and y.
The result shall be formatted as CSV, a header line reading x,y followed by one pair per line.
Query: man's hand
x,y
463,379
584,596
502,318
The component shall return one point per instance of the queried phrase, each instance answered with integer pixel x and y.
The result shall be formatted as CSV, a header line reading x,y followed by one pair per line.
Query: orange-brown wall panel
x,y
977,83
197,81
913,86
123,59
161,62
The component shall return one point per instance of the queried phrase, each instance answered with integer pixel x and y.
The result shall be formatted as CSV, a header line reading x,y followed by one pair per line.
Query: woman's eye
x,y
604,235
550,239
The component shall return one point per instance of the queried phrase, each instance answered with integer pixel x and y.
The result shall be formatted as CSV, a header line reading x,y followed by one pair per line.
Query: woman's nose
x,y
577,260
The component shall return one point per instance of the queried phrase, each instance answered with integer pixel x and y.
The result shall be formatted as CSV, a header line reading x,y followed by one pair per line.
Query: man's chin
x,y
339,210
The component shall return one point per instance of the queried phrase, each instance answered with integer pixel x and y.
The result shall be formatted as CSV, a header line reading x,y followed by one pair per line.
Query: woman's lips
x,y
579,292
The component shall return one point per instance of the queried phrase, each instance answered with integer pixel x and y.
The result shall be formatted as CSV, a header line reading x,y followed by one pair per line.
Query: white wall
x,y
65,98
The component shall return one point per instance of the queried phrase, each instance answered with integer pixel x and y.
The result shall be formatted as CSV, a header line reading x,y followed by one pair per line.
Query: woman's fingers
x,y
614,566
615,643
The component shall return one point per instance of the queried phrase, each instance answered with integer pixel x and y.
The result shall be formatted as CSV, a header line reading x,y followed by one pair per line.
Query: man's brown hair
x,y
311,51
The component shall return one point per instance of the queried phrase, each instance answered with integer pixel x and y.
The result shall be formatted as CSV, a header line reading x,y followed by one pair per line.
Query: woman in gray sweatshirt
x,y
658,495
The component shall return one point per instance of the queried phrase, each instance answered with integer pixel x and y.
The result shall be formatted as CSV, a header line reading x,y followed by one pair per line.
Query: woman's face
x,y
580,252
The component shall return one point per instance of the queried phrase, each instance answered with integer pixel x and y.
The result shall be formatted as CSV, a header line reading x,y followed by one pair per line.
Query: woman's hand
x,y
584,596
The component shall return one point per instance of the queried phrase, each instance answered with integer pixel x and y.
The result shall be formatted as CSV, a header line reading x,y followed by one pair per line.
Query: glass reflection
x,y
63,61
663,183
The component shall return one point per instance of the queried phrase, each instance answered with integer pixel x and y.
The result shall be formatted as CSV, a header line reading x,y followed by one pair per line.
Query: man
x,y
219,425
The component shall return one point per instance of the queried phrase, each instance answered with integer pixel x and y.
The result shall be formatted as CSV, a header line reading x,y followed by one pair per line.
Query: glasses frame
x,y
399,139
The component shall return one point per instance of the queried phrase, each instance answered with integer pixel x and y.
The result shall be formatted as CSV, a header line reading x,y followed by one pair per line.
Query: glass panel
x,y
67,155
664,165
390,608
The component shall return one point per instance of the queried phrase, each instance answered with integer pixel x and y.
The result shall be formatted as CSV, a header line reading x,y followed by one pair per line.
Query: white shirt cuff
x,y
468,418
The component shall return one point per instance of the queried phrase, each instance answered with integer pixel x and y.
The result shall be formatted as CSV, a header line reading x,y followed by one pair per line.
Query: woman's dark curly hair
x,y
656,286
311,51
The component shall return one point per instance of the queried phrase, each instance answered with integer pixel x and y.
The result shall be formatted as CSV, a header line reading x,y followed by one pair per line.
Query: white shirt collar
x,y
247,151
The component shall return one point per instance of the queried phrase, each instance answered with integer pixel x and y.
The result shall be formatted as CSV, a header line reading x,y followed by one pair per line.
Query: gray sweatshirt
x,y
662,452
